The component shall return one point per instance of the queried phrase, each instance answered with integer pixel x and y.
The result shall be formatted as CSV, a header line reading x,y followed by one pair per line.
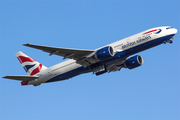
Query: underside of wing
x,y
21,77
75,54
116,66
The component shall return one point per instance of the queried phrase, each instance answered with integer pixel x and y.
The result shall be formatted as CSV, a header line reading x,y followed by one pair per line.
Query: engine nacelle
x,y
133,62
104,53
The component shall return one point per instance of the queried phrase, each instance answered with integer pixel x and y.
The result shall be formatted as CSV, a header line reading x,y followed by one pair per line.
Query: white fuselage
x,y
127,46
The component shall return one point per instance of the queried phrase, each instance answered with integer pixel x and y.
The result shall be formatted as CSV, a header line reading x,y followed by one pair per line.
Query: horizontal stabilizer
x,y
21,77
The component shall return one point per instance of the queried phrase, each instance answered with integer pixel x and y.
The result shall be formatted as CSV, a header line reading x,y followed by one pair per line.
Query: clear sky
x,y
149,92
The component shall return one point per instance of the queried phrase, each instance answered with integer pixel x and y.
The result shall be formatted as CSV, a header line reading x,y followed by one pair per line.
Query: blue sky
x,y
149,92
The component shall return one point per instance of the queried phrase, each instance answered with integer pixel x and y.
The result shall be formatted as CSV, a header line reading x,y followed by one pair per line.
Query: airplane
x,y
109,58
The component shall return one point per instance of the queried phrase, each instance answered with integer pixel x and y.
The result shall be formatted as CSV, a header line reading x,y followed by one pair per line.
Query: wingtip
x,y
26,44
4,77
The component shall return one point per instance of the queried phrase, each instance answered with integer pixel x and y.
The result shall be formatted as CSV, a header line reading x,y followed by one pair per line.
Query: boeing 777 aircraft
x,y
108,58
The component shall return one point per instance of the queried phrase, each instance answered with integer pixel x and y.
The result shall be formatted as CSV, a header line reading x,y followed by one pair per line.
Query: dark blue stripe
x,y
158,32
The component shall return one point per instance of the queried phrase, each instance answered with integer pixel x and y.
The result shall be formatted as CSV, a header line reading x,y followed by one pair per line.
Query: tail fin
x,y
31,66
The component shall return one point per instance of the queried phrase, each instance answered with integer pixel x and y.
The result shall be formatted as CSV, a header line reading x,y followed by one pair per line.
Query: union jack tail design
x,y
31,66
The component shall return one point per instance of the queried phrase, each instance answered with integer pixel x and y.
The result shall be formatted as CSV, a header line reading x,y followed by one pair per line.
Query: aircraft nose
x,y
173,31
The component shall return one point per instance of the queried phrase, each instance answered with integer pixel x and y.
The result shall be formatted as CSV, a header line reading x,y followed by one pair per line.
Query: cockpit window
x,y
168,28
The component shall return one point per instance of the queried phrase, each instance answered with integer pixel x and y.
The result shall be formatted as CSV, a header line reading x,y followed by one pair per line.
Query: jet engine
x,y
133,62
104,53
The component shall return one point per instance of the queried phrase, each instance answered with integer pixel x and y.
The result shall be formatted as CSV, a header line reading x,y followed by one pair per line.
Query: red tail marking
x,y
24,82
23,59
37,70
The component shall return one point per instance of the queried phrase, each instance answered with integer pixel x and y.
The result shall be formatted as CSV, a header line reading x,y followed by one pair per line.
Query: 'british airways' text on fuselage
x,y
136,41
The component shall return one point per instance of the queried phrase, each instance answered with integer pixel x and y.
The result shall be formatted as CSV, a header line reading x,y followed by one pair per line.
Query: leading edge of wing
x,y
21,77
64,52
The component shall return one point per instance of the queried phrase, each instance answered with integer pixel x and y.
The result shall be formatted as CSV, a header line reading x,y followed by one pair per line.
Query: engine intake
x,y
104,53
133,62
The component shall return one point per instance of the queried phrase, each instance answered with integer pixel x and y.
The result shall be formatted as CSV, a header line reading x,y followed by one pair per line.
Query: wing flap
x,y
21,77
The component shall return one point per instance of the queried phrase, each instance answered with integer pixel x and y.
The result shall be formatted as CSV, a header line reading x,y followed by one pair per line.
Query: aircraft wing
x,y
21,77
75,54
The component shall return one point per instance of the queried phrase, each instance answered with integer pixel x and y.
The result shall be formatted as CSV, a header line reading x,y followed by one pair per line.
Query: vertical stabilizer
x,y
31,66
